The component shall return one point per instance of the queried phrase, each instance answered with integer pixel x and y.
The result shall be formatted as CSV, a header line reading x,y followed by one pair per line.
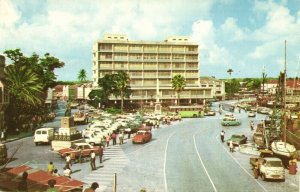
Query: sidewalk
x,y
22,135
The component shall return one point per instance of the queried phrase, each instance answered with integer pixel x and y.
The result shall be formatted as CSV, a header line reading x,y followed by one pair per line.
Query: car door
x,y
86,150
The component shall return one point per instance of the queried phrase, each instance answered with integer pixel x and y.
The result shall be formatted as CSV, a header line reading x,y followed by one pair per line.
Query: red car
x,y
74,150
142,136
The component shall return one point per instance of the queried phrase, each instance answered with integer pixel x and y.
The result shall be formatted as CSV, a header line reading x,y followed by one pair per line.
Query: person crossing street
x,y
93,160
222,135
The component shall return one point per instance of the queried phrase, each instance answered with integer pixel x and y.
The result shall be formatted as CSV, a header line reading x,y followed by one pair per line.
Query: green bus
x,y
190,111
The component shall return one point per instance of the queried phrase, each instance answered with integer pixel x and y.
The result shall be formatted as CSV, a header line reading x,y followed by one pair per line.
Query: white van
x,y
43,135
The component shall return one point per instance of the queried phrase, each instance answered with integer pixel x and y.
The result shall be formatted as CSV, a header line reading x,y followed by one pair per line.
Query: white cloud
x,y
8,14
231,30
203,32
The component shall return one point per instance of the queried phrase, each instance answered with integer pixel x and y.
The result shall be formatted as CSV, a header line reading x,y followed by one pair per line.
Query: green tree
x,y
106,85
95,97
233,86
178,84
24,88
28,79
82,75
121,86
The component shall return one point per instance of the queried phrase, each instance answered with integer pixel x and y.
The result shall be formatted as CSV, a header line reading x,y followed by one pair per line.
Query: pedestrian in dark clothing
x,y
222,136
129,134
93,160
100,153
80,154
252,126
22,187
114,138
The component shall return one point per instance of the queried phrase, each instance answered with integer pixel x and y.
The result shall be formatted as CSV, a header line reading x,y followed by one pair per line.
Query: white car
x,y
93,139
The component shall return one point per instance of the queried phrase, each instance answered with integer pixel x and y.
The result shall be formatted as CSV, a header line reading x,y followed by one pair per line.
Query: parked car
x,y
142,136
251,114
270,168
43,135
74,150
93,139
237,139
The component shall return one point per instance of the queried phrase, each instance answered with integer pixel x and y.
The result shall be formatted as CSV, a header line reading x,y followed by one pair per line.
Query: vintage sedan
x,y
230,121
251,114
74,150
210,113
142,136
237,139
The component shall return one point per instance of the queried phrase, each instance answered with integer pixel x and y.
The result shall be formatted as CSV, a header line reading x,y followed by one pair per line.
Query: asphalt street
x,y
184,156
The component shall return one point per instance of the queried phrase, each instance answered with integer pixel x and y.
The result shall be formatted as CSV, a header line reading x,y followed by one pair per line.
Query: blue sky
x,y
244,35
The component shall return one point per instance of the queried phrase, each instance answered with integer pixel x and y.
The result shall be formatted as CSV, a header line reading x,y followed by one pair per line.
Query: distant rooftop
x,y
124,38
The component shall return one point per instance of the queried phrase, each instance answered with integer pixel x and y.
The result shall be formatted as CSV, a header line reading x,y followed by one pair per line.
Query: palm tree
x,y
230,71
25,89
121,86
23,84
178,84
82,75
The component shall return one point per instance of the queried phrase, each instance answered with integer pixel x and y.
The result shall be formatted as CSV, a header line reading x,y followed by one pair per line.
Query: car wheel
x,y
283,180
263,177
194,115
36,143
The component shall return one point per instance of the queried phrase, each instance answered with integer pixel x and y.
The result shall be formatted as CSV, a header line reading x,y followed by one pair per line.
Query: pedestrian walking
x,y
68,160
93,160
80,154
252,125
231,146
67,171
22,186
129,134
2,136
107,139
121,137
51,184
101,153
50,168
222,135
114,138
256,169
93,187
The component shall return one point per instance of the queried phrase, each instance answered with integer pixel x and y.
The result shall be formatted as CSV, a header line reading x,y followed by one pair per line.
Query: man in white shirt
x,y
93,160
67,172
222,135
68,160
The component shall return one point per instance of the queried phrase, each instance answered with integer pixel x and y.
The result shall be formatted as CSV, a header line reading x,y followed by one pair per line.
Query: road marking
x,y
165,161
241,165
212,183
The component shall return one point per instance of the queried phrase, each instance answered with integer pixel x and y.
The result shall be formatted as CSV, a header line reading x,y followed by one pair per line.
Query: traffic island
x,y
67,135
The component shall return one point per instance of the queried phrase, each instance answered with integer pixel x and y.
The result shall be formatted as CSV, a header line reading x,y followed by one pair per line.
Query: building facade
x,y
151,66
4,98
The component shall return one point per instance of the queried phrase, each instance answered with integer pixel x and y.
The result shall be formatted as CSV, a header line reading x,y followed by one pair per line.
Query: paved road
x,y
185,156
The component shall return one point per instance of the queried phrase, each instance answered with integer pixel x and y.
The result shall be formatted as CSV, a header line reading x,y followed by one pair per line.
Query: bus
x,y
191,111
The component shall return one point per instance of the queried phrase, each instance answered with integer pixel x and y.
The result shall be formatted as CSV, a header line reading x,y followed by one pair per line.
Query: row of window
x,y
125,47
104,56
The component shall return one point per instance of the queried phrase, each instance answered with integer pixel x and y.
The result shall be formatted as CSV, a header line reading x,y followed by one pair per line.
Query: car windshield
x,y
73,146
274,164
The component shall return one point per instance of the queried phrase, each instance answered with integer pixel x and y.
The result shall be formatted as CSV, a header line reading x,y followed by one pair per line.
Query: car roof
x,y
272,159
44,128
79,144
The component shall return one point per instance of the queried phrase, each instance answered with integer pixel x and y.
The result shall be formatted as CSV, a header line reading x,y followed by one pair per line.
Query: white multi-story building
x,y
149,63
